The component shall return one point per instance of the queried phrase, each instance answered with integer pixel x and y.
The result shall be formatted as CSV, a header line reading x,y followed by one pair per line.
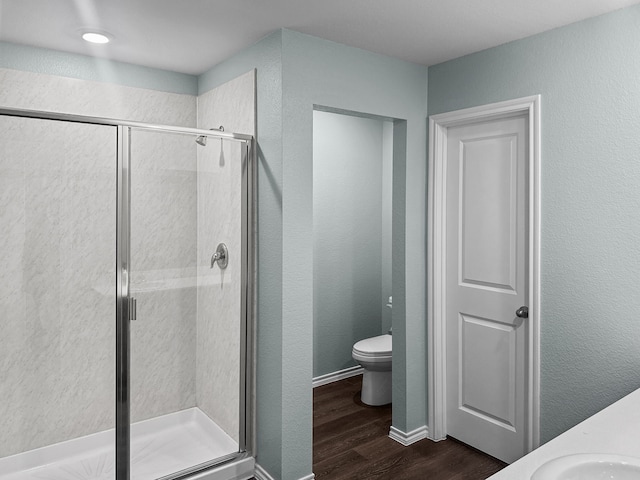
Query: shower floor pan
x,y
159,447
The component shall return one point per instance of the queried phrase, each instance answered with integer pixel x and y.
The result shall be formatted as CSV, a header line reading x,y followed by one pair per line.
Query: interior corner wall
x,y
219,200
348,230
587,74
266,58
387,224
405,395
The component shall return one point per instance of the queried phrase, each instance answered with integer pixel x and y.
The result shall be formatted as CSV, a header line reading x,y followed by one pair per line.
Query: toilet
x,y
374,355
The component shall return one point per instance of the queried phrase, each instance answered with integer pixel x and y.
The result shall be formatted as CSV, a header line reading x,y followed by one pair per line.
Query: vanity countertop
x,y
615,430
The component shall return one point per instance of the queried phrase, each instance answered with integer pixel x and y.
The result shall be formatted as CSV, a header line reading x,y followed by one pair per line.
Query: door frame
x,y
436,255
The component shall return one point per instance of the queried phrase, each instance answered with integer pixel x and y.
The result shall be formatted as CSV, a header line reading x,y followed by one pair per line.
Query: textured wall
x,y
587,74
52,62
348,231
387,219
231,105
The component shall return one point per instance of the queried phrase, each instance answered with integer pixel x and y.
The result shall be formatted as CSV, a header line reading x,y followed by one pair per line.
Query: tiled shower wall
x,y
57,269
57,291
163,273
57,275
231,105
37,91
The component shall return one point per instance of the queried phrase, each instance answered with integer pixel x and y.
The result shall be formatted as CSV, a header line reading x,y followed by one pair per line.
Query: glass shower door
x,y
187,342
57,298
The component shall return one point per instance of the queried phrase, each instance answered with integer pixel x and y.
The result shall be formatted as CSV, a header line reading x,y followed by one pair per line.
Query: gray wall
x,y
52,62
349,226
387,222
588,75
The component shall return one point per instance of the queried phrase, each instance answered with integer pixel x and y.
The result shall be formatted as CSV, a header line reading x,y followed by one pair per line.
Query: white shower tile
x,y
220,220
55,358
163,260
69,95
163,358
231,105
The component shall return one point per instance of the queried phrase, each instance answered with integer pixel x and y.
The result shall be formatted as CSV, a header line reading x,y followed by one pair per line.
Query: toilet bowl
x,y
374,355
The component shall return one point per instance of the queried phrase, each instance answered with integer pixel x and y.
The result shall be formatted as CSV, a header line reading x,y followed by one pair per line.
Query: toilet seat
x,y
374,349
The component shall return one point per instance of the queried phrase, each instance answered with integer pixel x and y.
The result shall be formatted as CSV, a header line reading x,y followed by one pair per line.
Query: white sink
x,y
590,466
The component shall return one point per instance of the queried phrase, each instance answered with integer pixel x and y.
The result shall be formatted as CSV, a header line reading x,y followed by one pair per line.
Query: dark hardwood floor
x,y
350,442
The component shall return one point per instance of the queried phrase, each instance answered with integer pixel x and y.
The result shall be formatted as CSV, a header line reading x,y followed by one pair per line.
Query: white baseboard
x,y
262,474
335,376
408,438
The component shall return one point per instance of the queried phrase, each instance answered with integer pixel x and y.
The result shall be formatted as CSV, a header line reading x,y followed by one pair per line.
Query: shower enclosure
x,y
126,345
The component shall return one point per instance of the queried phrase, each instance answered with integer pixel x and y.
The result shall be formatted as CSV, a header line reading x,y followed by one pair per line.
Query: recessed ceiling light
x,y
95,37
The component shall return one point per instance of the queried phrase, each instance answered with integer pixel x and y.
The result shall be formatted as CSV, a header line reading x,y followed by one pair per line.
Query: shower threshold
x,y
159,446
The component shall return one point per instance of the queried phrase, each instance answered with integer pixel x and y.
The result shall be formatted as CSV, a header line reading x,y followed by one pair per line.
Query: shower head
x,y
202,139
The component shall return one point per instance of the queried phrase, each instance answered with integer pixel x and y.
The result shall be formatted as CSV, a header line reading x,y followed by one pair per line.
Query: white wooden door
x,y
486,272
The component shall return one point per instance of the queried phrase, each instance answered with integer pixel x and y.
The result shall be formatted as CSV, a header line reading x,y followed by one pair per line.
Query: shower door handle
x,y
133,309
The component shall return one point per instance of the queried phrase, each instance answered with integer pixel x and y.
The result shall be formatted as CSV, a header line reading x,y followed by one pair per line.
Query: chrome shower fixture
x,y
221,256
202,139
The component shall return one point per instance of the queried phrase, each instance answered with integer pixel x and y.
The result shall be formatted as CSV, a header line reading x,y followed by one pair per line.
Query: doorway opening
x,y
352,223
358,236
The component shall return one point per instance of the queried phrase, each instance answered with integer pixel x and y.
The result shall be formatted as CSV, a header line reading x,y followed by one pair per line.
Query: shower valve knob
x,y
221,256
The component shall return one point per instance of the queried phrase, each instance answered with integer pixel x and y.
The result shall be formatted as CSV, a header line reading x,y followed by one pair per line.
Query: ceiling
x,y
191,36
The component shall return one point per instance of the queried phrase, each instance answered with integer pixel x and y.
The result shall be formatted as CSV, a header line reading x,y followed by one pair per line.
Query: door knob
x,y
522,312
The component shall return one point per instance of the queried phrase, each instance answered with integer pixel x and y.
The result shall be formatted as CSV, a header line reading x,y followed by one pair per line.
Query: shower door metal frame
x,y
123,354
123,297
